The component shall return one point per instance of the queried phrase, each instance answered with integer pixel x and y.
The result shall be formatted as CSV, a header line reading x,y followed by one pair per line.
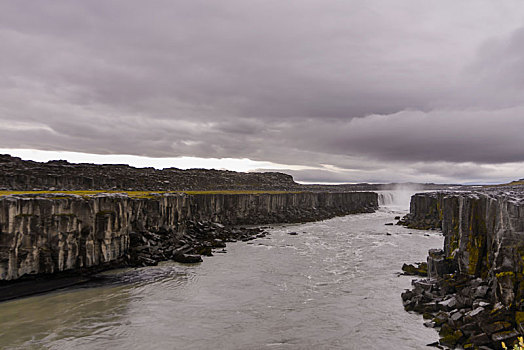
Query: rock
x,y
505,336
420,270
427,316
446,330
480,292
186,258
456,316
495,327
452,339
425,307
440,318
449,304
434,344
476,312
422,286
206,251
469,329
407,294
438,265
480,339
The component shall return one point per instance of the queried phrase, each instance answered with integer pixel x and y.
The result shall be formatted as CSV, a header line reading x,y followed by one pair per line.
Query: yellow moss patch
x,y
507,273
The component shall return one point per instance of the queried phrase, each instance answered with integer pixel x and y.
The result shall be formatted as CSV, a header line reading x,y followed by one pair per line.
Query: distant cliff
x,y
17,174
46,234
477,280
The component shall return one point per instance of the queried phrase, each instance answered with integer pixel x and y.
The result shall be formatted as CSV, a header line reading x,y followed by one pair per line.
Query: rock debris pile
x,y
199,238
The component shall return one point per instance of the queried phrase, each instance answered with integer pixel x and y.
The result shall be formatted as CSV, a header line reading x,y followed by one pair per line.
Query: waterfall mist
x,y
398,197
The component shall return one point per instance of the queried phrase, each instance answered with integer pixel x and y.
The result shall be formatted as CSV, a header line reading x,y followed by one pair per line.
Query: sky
x,y
325,90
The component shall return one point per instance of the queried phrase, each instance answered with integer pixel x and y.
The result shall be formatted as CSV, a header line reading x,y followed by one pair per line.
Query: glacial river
x,y
333,285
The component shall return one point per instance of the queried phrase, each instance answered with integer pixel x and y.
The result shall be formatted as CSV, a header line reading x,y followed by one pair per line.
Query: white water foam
x,y
398,198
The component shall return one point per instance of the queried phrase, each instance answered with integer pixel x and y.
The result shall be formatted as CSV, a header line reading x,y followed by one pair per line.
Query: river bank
x,y
66,235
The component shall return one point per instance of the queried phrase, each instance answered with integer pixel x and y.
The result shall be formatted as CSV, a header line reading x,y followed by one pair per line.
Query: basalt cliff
x,y
54,233
58,230
475,290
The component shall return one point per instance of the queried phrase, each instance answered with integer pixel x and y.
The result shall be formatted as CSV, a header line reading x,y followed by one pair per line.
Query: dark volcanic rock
x,y
47,234
477,280
17,174
187,258
420,270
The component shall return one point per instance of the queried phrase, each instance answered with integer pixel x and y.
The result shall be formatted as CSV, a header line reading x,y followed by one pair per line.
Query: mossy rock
x,y
420,270
452,339
427,316
446,330
440,318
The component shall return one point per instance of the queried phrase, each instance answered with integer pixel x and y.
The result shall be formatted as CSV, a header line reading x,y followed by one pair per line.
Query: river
x,y
332,285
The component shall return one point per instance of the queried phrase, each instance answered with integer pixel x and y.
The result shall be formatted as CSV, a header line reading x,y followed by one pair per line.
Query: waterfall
x,y
398,199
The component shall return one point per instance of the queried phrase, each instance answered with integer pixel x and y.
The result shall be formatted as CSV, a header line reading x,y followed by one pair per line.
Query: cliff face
x,y
483,248
18,174
484,232
49,234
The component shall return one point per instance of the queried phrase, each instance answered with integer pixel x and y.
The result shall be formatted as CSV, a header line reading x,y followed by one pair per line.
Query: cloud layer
x,y
374,91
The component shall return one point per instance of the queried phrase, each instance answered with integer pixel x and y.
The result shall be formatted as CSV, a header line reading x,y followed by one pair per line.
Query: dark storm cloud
x,y
361,87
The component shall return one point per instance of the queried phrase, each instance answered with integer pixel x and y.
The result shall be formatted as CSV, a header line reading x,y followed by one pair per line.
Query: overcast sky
x,y
326,90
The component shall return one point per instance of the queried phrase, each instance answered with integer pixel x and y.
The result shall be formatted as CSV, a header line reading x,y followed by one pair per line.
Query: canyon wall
x,y
484,231
46,234
480,267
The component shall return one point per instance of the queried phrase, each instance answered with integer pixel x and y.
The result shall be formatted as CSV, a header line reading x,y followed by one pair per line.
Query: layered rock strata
x,y
47,234
475,290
